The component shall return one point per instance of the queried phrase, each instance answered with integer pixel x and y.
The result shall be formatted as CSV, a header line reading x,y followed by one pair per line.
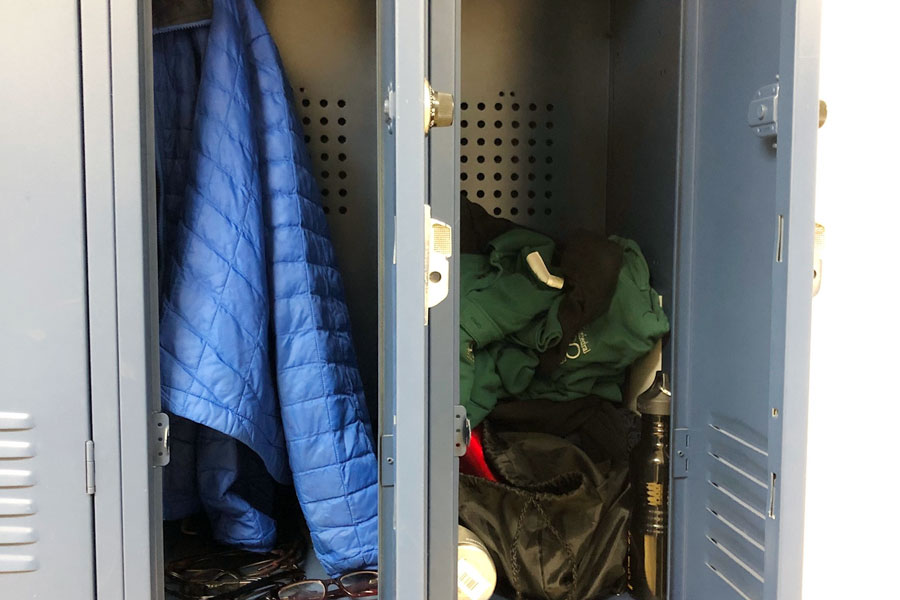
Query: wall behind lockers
x,y
852,530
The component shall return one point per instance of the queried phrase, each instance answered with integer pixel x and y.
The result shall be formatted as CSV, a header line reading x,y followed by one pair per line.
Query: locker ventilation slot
x,y
507,156
17,504
328,138
730,583
736,506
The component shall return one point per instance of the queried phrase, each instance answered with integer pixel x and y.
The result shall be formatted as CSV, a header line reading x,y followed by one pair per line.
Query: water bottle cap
x,y
656,399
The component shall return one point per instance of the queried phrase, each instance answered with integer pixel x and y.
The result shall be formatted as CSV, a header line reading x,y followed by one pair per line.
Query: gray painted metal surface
x,y
738,360
137,320
796,188
543,141
45,510
387,301
443,325
642,192
102,307
403,192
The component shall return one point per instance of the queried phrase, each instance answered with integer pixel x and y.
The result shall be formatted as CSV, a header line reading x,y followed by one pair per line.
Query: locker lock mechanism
x,y
762,115
438,108
438,250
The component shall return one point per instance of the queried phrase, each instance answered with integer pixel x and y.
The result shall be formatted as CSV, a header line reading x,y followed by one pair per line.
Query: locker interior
x,y
568,118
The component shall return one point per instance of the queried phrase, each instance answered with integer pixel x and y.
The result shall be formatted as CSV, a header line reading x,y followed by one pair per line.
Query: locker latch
x,y
462,430
438,249
390,109
387,461
762,115
817,258
159,439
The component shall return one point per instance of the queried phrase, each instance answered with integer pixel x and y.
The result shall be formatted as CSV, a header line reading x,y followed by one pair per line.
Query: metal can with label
x,y
476,574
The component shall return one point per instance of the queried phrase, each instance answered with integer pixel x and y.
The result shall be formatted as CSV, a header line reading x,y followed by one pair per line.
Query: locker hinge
x,y
387,461
762,116
438,249
462,430
90,473
159,439
681,453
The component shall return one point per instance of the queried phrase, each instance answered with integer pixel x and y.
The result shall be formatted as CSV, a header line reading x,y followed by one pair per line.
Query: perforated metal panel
x,y
507,155
534,122
326,126
329,53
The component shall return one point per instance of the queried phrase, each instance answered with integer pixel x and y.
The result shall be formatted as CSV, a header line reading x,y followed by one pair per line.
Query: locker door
x,y
403,426
418,385
46,541
120,217
743,297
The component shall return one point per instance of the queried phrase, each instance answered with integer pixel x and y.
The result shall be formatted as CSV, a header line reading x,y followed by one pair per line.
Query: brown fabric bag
x,y
556,523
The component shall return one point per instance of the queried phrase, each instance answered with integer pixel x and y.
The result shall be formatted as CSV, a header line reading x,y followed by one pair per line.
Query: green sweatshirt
x,y
508,317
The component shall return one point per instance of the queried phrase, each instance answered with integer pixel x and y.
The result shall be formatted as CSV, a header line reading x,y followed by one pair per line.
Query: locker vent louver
x,y
736,509
17,534
328,135
507,156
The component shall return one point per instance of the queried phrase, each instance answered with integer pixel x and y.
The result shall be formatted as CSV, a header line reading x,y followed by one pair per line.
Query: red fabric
x,y
473,463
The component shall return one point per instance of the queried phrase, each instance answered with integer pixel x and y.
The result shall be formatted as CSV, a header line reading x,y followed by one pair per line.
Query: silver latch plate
x,y
387,461
762,115
159,439
390,108
462,430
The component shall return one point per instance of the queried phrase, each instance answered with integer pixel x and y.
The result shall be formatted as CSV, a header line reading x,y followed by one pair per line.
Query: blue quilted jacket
x,y
256,351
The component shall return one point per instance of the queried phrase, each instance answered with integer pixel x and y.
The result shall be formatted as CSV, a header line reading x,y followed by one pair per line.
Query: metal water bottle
x,y
648,562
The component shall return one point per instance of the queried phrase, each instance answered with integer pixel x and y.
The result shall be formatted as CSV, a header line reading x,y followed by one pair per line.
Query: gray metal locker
x,y
689,126
45,507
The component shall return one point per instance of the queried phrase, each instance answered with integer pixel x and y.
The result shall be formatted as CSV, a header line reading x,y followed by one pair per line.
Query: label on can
x,y
471,582
654,493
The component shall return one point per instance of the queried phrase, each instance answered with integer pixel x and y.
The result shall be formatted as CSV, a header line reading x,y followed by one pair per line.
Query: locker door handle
x,y
438,108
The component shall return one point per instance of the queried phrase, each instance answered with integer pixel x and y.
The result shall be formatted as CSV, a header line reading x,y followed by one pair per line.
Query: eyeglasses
x,y
359,584
225,575
277,575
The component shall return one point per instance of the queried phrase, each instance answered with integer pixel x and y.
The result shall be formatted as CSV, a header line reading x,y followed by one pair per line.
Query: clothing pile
x,y
547,333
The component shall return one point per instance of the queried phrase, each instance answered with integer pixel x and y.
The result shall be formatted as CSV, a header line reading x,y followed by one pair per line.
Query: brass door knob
x,y
823,112
438,108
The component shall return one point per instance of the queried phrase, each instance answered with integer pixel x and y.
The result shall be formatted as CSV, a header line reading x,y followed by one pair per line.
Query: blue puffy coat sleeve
x,y
254,331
